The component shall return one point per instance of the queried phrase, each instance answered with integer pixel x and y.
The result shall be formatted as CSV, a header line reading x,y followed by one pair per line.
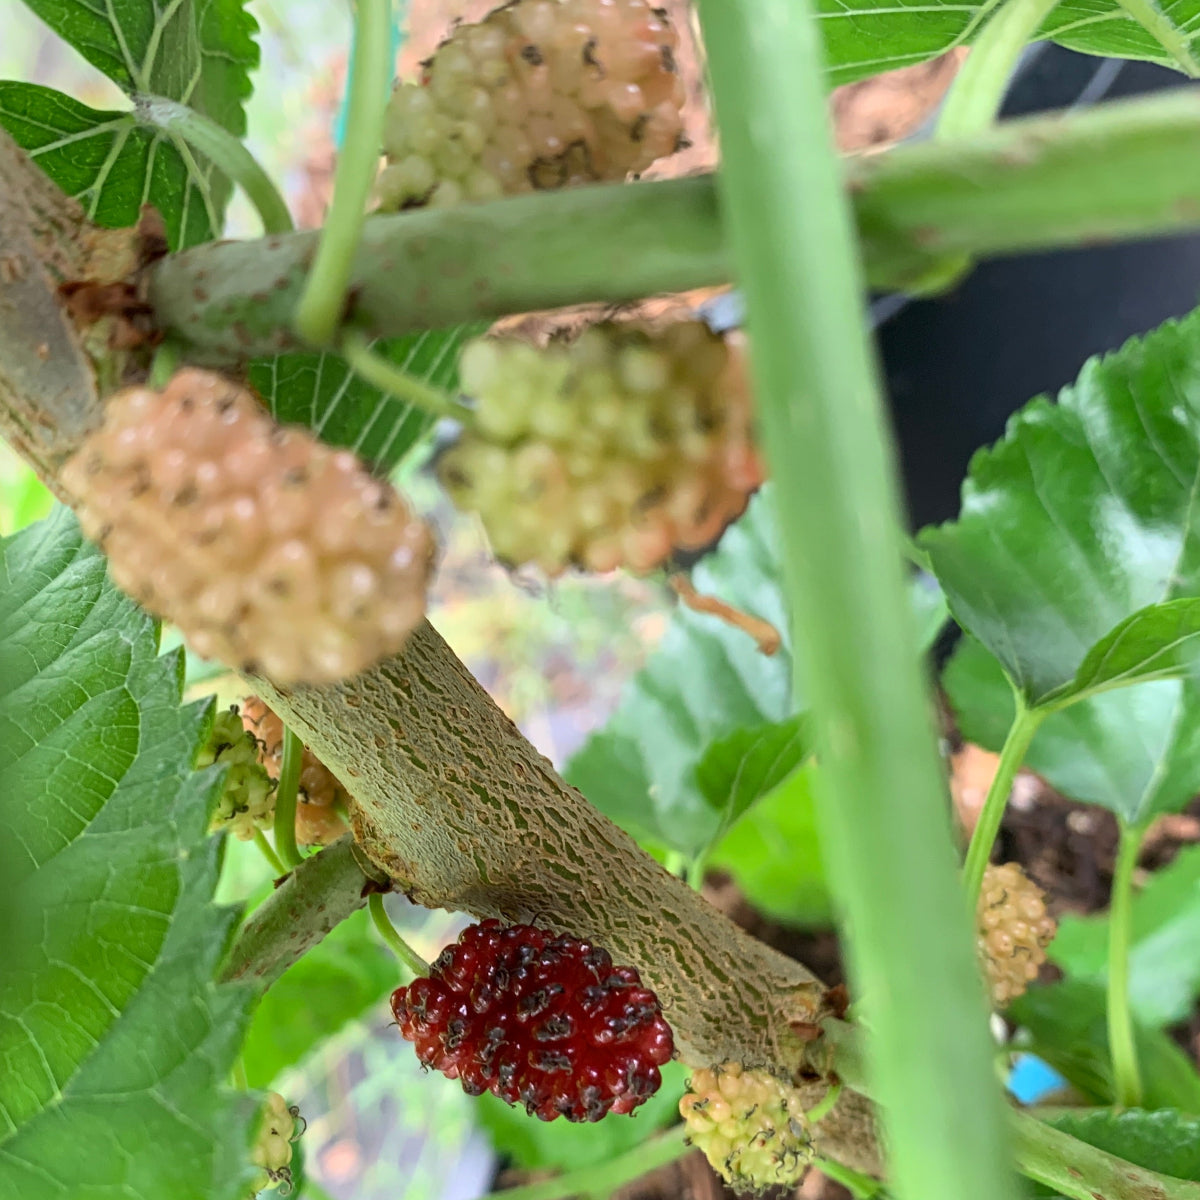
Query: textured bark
x,y
309,902
456,806
47,385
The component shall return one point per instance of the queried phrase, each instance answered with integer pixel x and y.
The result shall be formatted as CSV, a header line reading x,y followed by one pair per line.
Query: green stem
x,y
978,91
1012,755
1127,1080
824,1106
238,1074
860,1186
599,1182
164,363
268,852
1125,169
399,947
355,348
321,306
883,819
285,800
227,152
1163,30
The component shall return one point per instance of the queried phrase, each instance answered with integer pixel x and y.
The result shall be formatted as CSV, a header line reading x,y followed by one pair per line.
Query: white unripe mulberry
x,y
272,1149
1013,931
541,94
749,1124
247,800
271,551
320,797
612,450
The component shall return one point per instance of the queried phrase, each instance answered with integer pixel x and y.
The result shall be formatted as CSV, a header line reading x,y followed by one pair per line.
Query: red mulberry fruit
x,y
271,551
540,1019
611,450
321,798
1013,931
541,94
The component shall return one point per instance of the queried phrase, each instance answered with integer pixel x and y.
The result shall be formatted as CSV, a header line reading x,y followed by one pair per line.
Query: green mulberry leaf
x,y
1076,557
115,1042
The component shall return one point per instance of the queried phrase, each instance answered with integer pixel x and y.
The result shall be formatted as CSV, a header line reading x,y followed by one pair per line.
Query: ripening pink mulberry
x,y
271,551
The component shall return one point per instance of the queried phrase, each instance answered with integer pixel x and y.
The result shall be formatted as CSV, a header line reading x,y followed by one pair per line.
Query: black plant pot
x,y
959,364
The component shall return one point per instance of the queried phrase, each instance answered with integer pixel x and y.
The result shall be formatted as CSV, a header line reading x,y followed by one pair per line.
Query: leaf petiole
x,y
978,91
228,153
860,1186
285,800
1122,1045
599,1182
320,310
1016,745
268,852
1163,30
355,348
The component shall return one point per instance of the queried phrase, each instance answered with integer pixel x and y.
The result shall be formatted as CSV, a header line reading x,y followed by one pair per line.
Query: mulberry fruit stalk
x,y
1013,931
608,451
271,551
750,1126
540,1019
541,94
321,797
247,800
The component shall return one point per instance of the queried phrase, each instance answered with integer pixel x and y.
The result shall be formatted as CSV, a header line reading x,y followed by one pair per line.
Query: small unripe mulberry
x,y
611,450
271,551
247,800
539,1019
541,94
750,1126
320,797
272,1149
1013,932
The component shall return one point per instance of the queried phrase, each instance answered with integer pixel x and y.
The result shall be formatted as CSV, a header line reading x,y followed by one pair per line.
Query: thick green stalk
x,y
1127,169
599,1182
1122,1045
1082,1172
285,800
1070,1166
882,808
1012,755
1175,41
320,893
227,152
978,91
322,304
